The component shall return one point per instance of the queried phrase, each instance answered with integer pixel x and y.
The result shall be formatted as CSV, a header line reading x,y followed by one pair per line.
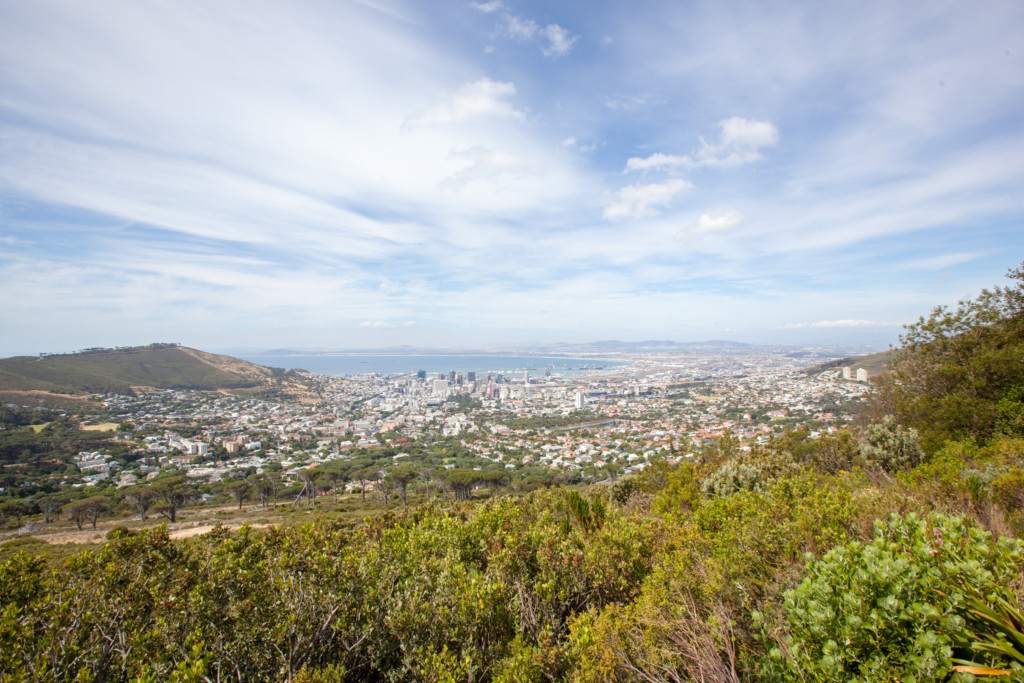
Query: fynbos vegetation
x,y
888,553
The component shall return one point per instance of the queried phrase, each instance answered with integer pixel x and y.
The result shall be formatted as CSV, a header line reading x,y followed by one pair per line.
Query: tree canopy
x,y
960,371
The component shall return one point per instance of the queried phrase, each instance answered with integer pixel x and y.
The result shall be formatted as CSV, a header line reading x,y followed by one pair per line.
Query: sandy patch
x,y
99,535
102,427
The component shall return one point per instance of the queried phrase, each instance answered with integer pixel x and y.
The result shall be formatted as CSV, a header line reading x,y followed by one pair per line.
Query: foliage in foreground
x,y
897,608
761,564
654,580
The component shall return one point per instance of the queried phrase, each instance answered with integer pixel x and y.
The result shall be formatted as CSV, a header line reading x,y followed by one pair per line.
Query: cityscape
x,y
589,427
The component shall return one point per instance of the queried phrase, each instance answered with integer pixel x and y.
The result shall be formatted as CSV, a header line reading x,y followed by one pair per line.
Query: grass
x,y
117,371
874,363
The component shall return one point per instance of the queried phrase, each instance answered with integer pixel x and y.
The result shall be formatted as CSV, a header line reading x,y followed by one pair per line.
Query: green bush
x,y
733,477
894,609
891,447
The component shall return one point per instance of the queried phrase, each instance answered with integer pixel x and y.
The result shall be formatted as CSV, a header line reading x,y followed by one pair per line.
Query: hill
x,y
126,370
874,363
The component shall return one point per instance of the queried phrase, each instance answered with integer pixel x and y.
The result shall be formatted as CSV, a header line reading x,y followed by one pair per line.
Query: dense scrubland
x,y
889,552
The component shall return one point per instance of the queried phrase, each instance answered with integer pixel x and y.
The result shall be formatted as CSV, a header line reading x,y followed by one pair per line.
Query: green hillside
x,y
160,366
874,363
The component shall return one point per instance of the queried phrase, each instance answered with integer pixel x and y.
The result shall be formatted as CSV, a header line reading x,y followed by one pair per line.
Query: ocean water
x,y
338,365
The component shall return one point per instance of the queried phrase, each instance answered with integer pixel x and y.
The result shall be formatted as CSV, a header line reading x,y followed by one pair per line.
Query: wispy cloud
x,y
556,41
487,7
381,325
319,166
637,201
479,98
560,41
720,220
842,323
740,142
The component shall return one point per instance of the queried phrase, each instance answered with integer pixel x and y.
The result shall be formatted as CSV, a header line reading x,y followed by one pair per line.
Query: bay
x,y
338,365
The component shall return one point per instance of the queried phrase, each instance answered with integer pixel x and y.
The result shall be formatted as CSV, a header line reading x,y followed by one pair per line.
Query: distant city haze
x,y
345,364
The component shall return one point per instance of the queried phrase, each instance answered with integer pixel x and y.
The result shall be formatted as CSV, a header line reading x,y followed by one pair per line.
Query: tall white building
x,y
847,373
862,375
579,400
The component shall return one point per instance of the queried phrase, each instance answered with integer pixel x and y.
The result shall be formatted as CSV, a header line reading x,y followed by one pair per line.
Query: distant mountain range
x,y
611,346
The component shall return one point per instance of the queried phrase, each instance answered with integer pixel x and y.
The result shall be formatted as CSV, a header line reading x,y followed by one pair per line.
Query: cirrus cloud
x,y
479,98
842,323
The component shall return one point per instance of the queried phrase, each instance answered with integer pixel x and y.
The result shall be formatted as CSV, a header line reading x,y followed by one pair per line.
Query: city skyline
x,y
472,174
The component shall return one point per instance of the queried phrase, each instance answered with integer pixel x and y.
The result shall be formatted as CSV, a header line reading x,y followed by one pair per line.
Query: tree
x,y
363,474
333,476
401,477
88,509
956,365
239,488
461,482
140,497
50,506
266,485
175,491
14,509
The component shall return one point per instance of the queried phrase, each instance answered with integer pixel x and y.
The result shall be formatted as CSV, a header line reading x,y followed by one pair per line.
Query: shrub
x,y
893,609
891,447
623,489
733,477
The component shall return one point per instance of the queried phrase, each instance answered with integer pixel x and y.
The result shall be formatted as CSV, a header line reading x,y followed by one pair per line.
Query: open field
x,y
101,427
62,537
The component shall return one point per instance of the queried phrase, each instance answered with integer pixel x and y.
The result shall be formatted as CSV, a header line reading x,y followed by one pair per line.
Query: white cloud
x,y
657,160
481,163
572,143
740,142
560,41
842,323
721,220
636,201
940,262
487,7
520,28
479,98
381,325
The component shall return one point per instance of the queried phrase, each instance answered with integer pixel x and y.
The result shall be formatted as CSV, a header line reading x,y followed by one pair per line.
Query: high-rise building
x,y
847,373
471,376
862,375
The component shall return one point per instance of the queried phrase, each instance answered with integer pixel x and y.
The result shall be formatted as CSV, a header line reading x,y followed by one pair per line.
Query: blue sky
x,y
366,174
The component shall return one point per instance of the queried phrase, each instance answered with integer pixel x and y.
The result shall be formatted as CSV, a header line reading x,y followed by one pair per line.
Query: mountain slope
x,y
874,363
160,366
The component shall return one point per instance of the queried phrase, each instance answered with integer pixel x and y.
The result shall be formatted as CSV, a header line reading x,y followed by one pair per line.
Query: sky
x,y
367,174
